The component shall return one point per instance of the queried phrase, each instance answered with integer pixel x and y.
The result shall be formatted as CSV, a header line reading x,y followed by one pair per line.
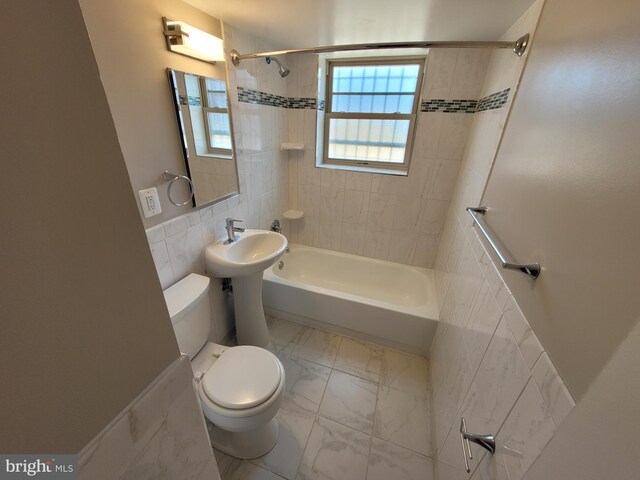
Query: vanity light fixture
x,y
186,40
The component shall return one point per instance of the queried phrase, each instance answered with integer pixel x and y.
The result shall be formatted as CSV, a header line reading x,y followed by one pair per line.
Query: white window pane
x,y
219,132
354,103
216,93
368,140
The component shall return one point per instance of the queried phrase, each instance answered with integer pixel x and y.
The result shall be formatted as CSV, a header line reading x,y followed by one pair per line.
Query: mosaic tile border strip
x,y
247,95
189,100
303,102
493,101
449,106
490,102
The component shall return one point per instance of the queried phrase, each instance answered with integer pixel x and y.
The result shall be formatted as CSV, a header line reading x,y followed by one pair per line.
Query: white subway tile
x,y
186,252
175,225
382,209
155,234
433,217
426,247
376,243
527,341
556,395
162,263
329,234
356,207
481,326
331,203
352,239
525,432
358,181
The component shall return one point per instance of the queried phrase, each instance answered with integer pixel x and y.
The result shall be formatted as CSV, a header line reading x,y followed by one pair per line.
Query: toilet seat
x,y
242,378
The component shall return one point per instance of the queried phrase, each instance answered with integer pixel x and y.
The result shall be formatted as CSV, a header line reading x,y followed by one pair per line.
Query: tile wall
x,y
487,364
365,213
177,245
162,434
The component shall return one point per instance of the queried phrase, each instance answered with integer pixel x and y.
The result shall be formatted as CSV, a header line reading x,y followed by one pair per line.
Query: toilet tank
x,y
190,312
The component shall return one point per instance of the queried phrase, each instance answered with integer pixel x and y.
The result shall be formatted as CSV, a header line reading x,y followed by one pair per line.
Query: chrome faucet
x,y
232,229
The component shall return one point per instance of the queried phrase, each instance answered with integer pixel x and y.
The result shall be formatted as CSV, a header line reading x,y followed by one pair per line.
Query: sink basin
x,y
251,253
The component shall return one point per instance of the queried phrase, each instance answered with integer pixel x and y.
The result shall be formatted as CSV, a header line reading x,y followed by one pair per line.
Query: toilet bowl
x,y
240,388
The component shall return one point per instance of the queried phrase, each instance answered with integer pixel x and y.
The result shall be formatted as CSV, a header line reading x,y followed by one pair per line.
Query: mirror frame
x,y
175,95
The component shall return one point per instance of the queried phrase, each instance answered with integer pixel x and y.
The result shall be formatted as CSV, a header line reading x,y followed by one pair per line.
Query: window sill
x,y
354,168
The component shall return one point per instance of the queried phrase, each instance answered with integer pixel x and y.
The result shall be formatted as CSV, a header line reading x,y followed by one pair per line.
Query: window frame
x,y
219,152
412,117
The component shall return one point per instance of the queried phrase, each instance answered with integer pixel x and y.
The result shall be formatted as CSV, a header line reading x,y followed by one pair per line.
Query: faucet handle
x,y
231,221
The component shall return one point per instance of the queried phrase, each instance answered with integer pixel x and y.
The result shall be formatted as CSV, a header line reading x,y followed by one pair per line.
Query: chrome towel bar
x,y
531,269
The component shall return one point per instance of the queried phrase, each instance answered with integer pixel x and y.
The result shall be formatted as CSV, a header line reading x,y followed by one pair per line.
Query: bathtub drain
x,y
280,265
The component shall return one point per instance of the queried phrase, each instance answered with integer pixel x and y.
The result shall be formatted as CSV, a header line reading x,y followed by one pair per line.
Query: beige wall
x,y
486,363
564,190
84,325
130,49
600,437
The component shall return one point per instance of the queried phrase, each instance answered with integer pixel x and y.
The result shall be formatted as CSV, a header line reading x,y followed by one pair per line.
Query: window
x,y
371,112
216,116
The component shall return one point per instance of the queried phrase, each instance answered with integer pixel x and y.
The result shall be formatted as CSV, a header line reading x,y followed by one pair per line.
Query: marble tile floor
x,y
352,410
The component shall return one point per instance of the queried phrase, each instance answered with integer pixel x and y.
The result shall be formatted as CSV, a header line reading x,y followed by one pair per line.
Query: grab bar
x,y
531,269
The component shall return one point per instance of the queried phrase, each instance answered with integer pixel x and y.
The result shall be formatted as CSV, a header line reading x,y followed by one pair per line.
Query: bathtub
x,y
383,302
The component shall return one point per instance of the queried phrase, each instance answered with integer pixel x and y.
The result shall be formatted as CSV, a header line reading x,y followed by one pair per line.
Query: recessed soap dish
x,y
293,214
291,146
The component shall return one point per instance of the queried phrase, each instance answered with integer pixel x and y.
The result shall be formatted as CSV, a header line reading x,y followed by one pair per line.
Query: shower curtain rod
x,y
519,47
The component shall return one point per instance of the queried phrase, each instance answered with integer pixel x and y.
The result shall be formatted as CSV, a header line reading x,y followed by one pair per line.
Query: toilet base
x,y
246,445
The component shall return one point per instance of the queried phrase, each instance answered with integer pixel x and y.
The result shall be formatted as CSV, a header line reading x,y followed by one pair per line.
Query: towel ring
x,y
172,177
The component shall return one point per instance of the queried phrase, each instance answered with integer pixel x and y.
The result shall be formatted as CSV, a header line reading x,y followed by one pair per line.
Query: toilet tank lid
x,y
184,294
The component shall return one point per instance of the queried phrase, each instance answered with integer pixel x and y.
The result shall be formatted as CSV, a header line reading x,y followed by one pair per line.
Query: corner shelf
x,y
293,214
291,146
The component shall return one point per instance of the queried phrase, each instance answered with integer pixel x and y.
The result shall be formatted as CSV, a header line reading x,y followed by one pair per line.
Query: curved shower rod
x,y
519,47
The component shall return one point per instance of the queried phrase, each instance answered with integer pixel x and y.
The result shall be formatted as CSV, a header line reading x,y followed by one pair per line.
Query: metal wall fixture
x,y
488,442
187,40
531,269
519,47
171,178
283,70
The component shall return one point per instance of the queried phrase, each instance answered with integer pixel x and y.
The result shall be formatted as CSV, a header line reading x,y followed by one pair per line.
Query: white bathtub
x,y
383,302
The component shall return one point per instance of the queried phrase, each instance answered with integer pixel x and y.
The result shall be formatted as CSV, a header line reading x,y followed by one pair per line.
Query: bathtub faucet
x,y
275,226
232,229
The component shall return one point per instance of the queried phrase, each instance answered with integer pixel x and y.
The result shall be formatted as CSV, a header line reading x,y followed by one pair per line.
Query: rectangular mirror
x,y
204,124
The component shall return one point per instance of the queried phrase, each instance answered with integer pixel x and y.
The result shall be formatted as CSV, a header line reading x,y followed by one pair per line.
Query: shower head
x,y
283,69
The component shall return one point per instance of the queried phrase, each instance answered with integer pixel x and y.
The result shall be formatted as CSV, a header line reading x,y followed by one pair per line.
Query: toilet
x,y
240,388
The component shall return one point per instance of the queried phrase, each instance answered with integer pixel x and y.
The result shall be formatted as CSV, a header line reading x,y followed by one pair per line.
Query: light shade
x,y
184,39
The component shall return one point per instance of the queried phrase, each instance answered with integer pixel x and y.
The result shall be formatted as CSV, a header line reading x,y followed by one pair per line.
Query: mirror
x,y
204,123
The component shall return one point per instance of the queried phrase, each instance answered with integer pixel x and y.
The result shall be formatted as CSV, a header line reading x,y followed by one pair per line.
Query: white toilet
x,y
240,388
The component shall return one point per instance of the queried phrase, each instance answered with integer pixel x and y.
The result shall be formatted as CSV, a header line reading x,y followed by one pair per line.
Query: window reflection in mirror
x,y
202,107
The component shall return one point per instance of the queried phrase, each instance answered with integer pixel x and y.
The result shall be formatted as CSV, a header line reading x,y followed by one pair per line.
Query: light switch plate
x,y
150,202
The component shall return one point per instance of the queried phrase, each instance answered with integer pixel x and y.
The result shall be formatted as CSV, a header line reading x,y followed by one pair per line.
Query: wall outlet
x,y
150,202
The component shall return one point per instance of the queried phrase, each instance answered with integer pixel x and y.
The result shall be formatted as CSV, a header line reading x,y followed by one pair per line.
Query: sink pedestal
x,y
251,324
244,260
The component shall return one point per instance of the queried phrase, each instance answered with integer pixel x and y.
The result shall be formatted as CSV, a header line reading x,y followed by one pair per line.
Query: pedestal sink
x,y
244,261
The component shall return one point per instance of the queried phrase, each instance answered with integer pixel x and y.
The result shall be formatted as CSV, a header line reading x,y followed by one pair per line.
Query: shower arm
x,y
519,47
